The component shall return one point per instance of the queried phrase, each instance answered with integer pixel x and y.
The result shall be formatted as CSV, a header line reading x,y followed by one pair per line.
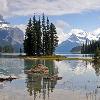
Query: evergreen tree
x,y
97,53
44,34
82,48
34,36
54,38
0,49
20,51
40,37
28,39
47,38
91,47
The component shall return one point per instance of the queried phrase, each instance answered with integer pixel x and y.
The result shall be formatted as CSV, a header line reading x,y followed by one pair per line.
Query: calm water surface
x,y
80,80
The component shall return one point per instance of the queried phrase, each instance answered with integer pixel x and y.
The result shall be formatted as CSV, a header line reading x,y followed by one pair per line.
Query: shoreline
x,y
53,57
59,59
56,57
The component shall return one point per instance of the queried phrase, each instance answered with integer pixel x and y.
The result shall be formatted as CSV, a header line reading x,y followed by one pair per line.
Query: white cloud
x,y
61,35
3,6
62,24
50,7
60,27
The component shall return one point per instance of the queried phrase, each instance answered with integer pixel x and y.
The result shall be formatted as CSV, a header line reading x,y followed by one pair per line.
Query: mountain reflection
x,y
37,85
78,76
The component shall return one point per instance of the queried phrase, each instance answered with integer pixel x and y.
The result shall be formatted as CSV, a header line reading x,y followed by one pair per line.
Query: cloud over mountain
x,y
50,7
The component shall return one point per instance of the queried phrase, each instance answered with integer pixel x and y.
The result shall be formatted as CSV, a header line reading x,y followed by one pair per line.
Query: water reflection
x,y
96,66
83,77
37,84
11,66
77,76
80,80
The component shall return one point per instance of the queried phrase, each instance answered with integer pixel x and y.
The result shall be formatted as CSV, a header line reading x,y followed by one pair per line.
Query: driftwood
x,y
38,69
7,78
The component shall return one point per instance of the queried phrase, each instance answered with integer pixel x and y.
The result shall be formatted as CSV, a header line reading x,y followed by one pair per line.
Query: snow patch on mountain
x,y
97,33
81,35
10,35
76,37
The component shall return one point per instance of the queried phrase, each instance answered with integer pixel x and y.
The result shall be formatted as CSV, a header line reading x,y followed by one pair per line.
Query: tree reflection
x,y
96,66
37,85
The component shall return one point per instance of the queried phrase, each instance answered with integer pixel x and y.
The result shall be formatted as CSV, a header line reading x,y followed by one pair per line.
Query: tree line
x,y
6,49
91,47
40,37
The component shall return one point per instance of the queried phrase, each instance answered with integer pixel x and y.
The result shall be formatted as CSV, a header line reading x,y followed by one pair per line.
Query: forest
x,y
92,47
40,37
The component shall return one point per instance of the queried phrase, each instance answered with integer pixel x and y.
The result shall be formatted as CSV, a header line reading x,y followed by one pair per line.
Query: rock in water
x,y
39,69
53,78
7,78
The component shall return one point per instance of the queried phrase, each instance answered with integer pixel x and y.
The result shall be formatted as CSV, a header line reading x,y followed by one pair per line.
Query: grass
x,y
54,57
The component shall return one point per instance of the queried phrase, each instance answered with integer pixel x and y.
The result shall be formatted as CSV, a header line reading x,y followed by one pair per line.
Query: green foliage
x,y
28,42
90,47
40,38
97,53
53,37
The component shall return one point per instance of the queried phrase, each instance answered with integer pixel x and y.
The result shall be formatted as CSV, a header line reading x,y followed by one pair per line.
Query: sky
x,y
65,14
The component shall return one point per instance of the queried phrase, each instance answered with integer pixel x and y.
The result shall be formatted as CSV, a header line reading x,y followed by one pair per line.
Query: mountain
x,y
76,49
10,36
76,37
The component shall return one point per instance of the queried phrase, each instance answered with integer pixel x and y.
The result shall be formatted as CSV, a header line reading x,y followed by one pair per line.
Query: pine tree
x,y
47,38
83,48
34,36
54,38
91,47
97,53
28,39
20,51
39,37
44,34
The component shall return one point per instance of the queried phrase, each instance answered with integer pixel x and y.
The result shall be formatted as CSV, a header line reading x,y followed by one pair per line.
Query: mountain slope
x,y
9,35
76,38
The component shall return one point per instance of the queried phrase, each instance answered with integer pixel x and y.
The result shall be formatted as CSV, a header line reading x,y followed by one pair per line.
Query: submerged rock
x,y
38,69
53,78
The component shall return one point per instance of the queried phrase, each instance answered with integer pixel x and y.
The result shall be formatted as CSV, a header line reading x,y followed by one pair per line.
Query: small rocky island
x,y
43,70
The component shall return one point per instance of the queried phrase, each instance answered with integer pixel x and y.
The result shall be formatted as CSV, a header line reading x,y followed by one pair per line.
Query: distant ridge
x,y
76,37
9,35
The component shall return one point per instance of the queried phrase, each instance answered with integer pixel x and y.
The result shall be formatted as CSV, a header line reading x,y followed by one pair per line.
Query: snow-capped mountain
x,y
10,35
76,37
3,23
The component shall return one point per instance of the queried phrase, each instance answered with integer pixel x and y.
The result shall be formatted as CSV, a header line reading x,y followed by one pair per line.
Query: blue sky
x,y
87,21
66,14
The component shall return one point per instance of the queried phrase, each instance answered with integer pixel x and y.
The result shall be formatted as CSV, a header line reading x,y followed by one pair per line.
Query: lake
x,y
80,80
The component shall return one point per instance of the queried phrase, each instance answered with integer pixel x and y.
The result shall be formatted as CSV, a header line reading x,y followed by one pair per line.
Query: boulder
x,y
39,69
